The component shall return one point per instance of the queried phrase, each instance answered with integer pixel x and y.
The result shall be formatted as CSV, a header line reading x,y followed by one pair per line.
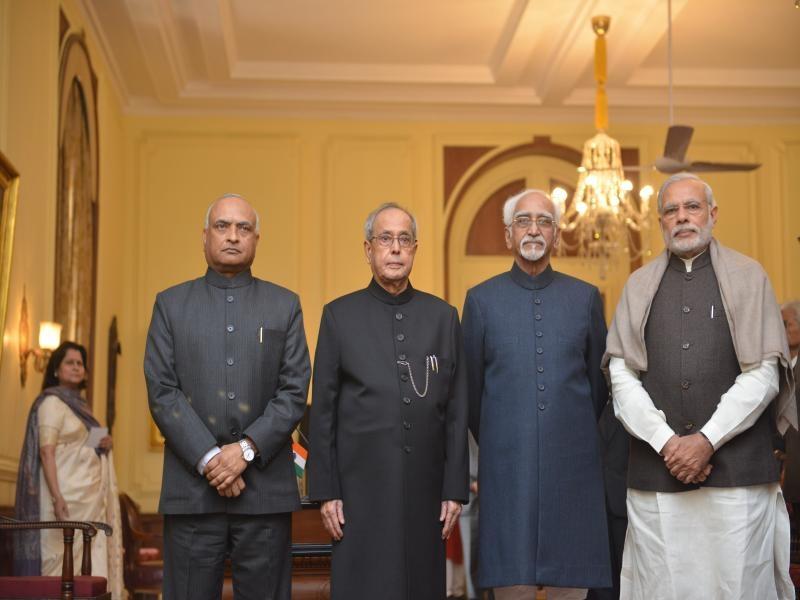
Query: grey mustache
x,y
679,228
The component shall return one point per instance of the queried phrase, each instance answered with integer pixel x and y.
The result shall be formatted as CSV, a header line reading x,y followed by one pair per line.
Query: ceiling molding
x,y
535,56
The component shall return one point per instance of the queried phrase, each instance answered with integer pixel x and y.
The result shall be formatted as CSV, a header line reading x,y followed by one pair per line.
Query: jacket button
x,y
686,309
406,400
538,317
230,362
398,316
403,377
407,449
400,337
229,298
406,425
235,432
689,426
685,345
539,334
229,328
231,395
537,301
541,405
685,384
539,350
541,387
401,356
540,369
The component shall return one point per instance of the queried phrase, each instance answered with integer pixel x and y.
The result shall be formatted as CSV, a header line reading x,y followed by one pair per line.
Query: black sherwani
x,y
390,455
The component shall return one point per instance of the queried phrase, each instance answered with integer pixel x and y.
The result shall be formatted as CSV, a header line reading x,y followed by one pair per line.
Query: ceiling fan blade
x,y
705,167
638,168
678,138
665,164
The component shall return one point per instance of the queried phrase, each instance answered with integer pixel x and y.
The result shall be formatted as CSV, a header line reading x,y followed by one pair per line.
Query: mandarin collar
x,y
698,262
381,294
532,282
241,279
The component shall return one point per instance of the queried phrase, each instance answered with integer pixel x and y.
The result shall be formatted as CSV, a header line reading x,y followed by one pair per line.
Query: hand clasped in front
x,y
224,471
687,457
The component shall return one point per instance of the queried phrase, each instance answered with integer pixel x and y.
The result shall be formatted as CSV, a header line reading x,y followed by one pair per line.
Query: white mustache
x,y
535,239
679,228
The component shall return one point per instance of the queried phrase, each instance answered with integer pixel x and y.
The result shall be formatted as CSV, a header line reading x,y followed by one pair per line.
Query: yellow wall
x,y
313,181
29,68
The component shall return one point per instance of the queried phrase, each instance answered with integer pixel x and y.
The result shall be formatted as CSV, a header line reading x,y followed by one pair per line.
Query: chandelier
x,y
604,220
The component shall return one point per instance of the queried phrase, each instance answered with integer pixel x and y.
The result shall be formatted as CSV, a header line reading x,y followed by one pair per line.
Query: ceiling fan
x,y
679,136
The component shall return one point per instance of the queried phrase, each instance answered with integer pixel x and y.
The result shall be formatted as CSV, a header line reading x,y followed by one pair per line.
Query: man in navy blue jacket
x,y
533,340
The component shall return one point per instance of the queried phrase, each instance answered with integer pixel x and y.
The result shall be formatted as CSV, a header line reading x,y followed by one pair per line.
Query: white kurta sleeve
x,y
741,406
634,408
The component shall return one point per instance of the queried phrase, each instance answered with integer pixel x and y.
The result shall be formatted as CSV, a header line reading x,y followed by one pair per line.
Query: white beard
x,y
534,252
689,245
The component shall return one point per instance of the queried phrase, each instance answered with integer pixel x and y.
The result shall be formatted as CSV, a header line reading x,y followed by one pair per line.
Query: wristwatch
x,y
247,451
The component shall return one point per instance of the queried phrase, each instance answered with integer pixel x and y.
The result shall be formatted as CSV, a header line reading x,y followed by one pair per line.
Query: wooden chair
x,y
143,565
67,586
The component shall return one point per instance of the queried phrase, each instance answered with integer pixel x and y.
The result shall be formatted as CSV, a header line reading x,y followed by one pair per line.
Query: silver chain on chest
x,y
431,363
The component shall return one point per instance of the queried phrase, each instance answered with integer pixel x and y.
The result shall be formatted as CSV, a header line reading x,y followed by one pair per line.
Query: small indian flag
x,y
300,456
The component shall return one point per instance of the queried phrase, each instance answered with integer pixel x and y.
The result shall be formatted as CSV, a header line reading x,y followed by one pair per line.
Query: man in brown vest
x,y
700,375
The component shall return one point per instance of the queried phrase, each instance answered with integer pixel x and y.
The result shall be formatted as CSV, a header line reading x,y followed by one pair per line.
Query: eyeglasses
x,y
693,207
524,222
385,240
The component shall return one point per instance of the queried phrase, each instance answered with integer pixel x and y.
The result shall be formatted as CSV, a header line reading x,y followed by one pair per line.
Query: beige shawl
x,y
753,317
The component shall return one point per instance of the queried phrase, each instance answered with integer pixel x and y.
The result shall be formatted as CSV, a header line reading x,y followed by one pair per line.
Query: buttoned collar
x,y
684,265
381,294
532,282
218,280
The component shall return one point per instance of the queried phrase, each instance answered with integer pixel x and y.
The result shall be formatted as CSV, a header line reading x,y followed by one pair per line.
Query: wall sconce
x,y
49,339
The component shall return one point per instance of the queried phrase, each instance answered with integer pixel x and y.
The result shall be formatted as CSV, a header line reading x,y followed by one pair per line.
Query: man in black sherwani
x,y
388,456
227,373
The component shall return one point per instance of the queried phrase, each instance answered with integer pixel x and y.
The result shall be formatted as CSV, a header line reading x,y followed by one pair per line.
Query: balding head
x,y
230,235
791,321
224,197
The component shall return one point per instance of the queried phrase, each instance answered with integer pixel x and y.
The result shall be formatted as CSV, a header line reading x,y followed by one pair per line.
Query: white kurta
x,y
710,543
88,485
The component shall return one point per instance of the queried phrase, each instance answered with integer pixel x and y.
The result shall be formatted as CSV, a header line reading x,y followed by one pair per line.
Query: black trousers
x,y
259,546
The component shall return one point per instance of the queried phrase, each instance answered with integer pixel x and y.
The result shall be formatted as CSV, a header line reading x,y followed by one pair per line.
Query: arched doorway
x,y
474,247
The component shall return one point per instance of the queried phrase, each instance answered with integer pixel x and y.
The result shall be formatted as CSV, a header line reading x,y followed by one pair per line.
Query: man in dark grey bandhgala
x,y
388,456
227,374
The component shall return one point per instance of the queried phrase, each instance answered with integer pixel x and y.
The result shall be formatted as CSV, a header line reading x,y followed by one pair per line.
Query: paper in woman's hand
x,y
95,435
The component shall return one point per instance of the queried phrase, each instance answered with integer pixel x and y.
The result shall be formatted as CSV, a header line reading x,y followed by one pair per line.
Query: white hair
x,y
794,306
510,206
210,206
684,176
370,222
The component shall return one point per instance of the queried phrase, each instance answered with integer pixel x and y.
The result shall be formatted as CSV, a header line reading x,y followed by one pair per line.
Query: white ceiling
x,y
734,60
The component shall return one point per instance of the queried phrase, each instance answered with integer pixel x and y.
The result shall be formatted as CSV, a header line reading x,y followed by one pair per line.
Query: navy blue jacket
x,y
533,347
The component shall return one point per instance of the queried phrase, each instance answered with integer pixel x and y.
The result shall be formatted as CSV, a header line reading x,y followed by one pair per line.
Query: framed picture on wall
x,y
9,187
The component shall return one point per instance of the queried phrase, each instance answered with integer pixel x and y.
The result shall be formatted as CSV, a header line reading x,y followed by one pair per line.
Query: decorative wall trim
x,y
8,469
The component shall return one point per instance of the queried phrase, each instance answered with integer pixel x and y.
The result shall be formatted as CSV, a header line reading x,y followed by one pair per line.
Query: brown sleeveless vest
x,y
691,364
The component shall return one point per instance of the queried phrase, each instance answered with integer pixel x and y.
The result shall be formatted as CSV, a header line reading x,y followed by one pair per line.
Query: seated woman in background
x,y
61,478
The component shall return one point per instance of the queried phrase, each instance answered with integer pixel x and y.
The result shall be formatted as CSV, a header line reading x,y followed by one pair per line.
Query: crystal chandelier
x,y
604,219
